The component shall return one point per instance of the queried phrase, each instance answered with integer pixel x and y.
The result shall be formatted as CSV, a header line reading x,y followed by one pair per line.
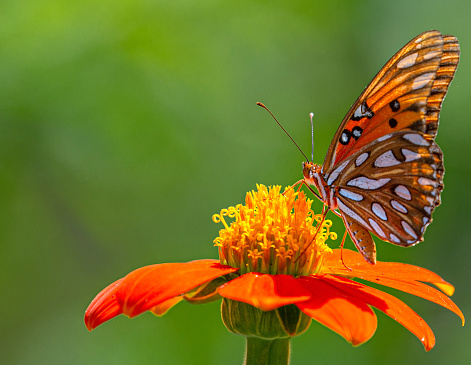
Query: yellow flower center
x,y
273,233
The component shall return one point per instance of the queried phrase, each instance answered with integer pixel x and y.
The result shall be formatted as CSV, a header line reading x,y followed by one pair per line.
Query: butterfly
x,y
383,171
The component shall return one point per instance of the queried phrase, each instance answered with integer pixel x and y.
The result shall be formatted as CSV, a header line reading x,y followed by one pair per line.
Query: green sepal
x,y
207,292
246,320
294,321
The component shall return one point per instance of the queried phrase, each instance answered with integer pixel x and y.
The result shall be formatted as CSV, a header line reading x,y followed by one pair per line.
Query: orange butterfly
x,y
383,170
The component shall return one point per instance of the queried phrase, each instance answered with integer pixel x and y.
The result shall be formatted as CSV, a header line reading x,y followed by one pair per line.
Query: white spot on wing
x,y
383,138
361,111
346,210
351,195
379,211
335,174
410,155
432,54
422,80
408,61
362,158
394,238
403,192
376,228
363,182
398,206
428,209
416,139
427,182
387,159
409,229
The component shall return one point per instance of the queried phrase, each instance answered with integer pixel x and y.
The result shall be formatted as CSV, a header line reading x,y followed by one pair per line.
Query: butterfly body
x,y
383,170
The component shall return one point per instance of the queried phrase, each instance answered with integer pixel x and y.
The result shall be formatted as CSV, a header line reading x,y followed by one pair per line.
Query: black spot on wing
x,y
394,105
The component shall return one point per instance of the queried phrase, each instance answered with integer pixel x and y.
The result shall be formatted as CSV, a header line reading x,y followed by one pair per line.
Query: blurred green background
x,y
124,125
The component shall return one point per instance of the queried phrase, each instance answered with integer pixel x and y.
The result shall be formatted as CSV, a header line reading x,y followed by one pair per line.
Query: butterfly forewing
x,y
448,63
383,167
403,87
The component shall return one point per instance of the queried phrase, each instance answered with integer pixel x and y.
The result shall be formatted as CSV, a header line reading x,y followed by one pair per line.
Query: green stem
x,y
267,352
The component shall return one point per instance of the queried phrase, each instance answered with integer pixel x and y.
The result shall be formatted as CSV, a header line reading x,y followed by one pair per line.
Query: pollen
x,y
273,233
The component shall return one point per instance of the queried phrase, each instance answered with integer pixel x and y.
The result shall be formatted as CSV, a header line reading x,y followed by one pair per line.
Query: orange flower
x,y
275,273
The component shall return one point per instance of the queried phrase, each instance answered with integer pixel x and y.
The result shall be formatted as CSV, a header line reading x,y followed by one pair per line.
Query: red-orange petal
x,y
407,278
396,270
103,307
162,308
263,291
388,304
350,317
418,289
149,286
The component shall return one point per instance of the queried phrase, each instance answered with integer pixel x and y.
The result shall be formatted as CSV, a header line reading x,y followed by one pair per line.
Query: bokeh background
x,y
125,124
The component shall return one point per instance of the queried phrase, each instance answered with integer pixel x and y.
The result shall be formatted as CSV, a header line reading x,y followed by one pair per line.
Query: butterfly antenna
x,y
312,136
284,130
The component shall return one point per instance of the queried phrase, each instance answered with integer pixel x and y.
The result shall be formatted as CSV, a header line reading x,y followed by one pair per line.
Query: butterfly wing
x,y
383,164
405,95
392,186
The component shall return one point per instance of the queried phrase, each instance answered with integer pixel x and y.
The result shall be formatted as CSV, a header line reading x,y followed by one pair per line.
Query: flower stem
x,y
260,351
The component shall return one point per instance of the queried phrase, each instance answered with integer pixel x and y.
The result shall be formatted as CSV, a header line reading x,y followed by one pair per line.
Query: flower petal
x,y
407,278
418,289
350,317
263,291
388,304
150,286
103,307
396,270
162,308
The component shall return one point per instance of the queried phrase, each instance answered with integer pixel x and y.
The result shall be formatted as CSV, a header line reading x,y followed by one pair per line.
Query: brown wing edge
x,y
361,238
445,73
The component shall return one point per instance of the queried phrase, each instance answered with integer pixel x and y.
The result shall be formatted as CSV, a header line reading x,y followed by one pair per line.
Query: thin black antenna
x,y
284,130
312,136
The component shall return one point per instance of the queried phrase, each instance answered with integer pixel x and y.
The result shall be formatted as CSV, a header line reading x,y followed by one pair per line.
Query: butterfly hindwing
x,y
392,187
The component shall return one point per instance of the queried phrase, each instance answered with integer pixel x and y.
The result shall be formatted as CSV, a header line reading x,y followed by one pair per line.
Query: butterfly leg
x,y
324,213
341,251
302,183
361,238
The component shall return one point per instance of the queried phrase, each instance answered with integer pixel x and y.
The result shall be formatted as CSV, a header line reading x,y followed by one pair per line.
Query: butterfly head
x,y
311,172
